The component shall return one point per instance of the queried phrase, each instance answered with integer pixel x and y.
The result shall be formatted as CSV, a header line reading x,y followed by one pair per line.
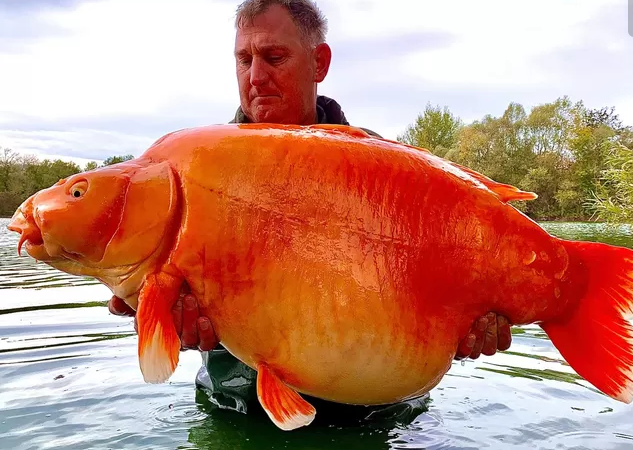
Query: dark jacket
x,y
328,111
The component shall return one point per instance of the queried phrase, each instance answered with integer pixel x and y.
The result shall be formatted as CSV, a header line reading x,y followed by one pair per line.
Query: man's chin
x,y
267,113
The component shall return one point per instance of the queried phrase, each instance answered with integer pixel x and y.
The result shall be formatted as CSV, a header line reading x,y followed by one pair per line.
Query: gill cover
x,y
150,205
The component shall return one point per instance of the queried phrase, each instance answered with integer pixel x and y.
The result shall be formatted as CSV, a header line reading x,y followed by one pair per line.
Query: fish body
x,y
334,263
336,259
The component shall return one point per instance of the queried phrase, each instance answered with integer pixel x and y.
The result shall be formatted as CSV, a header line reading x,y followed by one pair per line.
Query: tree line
x,y
578,160
23,175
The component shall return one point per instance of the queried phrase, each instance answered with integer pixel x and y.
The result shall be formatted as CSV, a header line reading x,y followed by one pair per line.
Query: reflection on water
x,y
621,234
70,380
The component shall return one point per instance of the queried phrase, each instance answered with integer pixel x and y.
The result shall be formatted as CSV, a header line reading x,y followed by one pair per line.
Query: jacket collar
x,y
328,111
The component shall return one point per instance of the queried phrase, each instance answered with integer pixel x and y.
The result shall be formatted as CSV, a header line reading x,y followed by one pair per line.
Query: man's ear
x,y
323,57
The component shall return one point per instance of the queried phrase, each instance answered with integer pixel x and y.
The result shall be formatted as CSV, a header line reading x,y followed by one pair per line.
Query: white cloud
x,y
70,145
124,57
495,41
117,74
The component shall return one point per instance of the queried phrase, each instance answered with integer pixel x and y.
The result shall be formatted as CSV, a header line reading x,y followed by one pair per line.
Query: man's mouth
x,y
263,96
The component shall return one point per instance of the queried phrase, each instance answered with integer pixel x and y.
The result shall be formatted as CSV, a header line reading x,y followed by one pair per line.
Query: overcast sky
x,y
84,80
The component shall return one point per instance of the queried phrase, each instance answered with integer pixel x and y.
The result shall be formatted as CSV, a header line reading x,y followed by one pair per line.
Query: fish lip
x,y
18,221
30,233
31,238
38,252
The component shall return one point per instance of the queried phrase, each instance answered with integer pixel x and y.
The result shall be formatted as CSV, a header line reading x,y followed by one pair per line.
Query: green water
x,y
69,379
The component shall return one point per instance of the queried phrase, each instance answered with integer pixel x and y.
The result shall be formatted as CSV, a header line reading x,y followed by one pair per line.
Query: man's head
x,y
281,56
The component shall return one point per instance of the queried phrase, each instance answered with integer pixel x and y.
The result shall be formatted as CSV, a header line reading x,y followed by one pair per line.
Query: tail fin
x,y
596,337
158,341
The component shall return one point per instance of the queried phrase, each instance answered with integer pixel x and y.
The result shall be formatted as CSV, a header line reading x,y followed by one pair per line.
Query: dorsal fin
x,y
506,192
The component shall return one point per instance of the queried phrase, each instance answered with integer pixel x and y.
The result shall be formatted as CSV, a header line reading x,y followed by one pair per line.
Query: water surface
x,y
70,380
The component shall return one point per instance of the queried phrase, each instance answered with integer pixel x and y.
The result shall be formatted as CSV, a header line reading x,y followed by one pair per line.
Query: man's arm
x,y
488,334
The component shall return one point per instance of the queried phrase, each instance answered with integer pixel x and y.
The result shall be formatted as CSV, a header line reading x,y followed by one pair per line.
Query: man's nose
x,y
259,72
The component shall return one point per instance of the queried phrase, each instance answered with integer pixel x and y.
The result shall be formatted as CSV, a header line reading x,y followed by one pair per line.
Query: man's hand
x,y
488,334
118,307
195,332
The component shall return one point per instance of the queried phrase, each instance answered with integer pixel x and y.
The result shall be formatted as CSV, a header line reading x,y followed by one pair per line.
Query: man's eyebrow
x,y
272,47
262,49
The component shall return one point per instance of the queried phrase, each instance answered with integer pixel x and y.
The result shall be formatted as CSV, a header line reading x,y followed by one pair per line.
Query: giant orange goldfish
x,y
336,264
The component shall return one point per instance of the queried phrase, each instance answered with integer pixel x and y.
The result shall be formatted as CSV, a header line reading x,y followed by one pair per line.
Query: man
x,y
281,56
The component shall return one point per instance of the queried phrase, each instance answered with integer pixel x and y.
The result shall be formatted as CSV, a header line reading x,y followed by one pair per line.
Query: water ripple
x,y
179,415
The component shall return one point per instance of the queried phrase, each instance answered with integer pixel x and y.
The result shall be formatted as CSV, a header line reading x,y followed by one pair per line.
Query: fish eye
x,y
78,189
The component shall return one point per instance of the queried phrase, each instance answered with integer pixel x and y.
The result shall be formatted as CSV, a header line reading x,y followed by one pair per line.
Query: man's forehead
x,y
261,41
271,28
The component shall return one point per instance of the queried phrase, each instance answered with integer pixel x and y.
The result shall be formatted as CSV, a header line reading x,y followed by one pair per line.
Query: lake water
x,y
69,379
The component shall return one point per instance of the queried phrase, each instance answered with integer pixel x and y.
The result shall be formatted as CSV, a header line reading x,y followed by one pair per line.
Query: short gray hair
x,y
305,14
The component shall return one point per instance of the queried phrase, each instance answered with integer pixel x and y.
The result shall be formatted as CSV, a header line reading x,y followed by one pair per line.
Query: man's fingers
x,y
176,315
489,334
479,331
489,347
465,346
208,339
118,307
504,334
189,336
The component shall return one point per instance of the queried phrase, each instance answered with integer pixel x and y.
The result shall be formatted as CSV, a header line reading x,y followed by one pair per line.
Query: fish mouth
x,y
23,222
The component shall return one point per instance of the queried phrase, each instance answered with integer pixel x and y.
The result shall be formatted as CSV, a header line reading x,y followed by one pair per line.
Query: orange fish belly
x,y
352,267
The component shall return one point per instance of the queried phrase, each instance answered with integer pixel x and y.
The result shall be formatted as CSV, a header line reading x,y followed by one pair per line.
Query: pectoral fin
x,y
285,407
158,341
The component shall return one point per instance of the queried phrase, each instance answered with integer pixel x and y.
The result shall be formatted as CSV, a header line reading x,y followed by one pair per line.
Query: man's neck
x,y
311,119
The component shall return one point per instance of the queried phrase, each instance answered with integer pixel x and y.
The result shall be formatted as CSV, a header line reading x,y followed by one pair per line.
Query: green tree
x,y
23,175
8,163
90,166
560,150
613,199
116,159
595,138
435,130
